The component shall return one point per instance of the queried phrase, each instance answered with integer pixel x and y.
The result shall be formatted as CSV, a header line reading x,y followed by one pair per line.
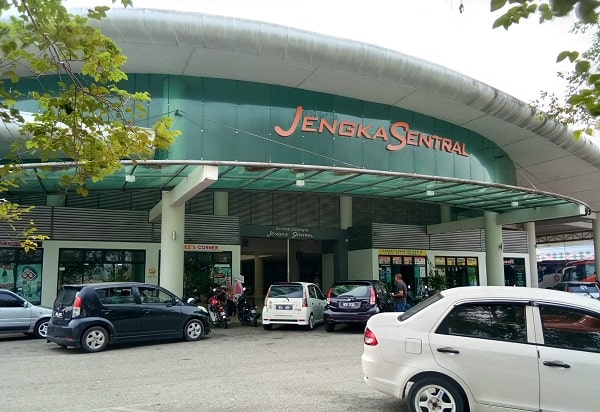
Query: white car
x,y
293,303
488,349
17,315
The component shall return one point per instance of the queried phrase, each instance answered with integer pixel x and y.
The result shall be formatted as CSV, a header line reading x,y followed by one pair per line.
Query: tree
x,y
85,117
582,105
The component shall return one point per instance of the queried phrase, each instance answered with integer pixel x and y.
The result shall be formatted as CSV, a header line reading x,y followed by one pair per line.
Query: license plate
x,y
283,307
348,304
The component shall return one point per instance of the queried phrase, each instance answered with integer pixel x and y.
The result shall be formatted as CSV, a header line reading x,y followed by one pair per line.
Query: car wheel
x,y
193,330
41,329
267,327
94,339
329,327
311,322
435,394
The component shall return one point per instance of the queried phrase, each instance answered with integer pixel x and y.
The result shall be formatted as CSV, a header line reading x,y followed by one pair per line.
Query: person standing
x,y
401,291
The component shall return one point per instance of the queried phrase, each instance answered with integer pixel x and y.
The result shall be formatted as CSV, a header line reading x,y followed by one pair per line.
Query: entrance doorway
x,y
280,260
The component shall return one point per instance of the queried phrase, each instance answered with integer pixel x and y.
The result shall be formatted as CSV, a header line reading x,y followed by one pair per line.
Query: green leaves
x,y
84,116
582,105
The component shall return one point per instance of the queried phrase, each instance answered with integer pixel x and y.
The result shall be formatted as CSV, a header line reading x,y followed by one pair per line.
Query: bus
x,y
581,270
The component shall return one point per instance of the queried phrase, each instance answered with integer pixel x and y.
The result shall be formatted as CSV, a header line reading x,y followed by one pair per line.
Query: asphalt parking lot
x,y
239,368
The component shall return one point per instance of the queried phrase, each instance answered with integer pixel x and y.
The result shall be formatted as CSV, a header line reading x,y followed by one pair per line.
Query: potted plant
x,y
436,280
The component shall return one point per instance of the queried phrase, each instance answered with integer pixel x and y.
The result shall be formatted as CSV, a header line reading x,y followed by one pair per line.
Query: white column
x,y
532,247
221,203
596,233
171,245
345,212
493,250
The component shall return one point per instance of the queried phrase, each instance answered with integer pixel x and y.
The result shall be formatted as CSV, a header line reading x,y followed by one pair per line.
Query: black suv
x,y
90,316
355,301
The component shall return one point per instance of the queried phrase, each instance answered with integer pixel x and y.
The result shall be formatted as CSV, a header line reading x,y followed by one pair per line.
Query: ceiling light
x,y
430,193
129,178
514,203
300,183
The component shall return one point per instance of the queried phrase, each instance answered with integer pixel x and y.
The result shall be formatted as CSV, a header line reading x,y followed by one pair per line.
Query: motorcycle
x,y
216,308
246,310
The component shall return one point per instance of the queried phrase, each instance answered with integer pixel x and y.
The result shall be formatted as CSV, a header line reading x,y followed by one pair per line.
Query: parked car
x,y
488,348
590,289
293,303
18,315
355,301
92,316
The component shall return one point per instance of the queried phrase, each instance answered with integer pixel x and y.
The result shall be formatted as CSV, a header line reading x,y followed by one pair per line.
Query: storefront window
x,y
412,268
514,272
100,265
204,270
21,272
458,271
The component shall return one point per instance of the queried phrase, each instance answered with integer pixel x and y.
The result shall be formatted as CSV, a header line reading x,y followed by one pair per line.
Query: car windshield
x,y
351,290
286,291
584,288
420,306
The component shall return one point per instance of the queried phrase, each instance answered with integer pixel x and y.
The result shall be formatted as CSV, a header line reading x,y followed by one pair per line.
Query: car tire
x,y
94,339
424,395
311,322
267,327
41,329
329,326
193,330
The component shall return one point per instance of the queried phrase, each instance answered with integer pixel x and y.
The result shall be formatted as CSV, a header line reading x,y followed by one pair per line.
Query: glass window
x,y
154,295
21,272
70,255
114,256
90,266
570,328
487,321
9,301
115,295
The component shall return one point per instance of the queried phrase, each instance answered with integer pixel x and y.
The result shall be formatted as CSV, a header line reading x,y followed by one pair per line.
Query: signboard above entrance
x,y
398,135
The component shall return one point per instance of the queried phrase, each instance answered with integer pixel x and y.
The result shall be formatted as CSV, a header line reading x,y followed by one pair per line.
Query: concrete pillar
x,y
596,233
345,212
494,261
259,277
221,203
445,213
532,248
171,245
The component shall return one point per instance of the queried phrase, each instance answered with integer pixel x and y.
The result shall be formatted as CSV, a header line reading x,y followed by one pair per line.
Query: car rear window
x,y
285,291
351,290
583,288
66,296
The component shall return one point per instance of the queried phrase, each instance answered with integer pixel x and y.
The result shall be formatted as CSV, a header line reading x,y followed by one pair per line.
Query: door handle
x,y
448,350
146,310
106,311
557,364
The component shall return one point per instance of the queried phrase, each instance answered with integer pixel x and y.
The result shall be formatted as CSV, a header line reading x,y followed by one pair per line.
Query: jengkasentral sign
x,y
201,247
397,136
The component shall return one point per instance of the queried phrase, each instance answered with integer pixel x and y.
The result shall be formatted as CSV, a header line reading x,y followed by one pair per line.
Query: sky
x,y
520,61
